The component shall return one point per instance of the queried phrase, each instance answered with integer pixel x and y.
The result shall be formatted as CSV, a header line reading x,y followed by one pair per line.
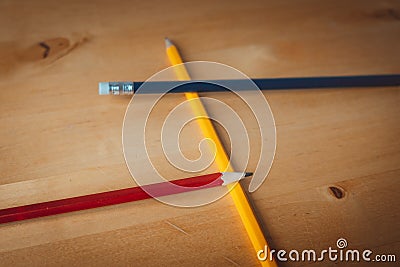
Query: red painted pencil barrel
x,y
109,198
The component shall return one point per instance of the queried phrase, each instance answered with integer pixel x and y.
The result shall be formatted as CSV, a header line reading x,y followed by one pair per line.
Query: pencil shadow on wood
x,y
258,216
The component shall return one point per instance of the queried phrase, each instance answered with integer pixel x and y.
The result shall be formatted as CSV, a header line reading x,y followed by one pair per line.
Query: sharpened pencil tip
x,y
247,174
168,42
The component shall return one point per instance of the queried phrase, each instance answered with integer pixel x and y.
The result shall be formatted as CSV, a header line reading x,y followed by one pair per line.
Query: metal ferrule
x,y
121,88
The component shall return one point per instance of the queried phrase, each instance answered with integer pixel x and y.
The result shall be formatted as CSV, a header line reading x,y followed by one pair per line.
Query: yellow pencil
x,y
239,198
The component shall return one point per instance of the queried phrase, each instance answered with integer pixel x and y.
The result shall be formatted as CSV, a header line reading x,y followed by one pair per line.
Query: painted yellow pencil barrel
x,y
236,191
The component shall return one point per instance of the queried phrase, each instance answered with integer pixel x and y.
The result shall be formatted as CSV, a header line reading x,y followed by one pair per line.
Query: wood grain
x,y
60,139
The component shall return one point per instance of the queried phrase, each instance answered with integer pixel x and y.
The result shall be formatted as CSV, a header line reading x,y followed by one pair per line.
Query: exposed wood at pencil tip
x,y
168,42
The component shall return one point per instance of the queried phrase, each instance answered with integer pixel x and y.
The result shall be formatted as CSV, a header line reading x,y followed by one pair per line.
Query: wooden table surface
x,y
60,139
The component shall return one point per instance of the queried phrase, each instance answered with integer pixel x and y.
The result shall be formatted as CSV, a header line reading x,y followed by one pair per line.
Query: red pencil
x,y
118,196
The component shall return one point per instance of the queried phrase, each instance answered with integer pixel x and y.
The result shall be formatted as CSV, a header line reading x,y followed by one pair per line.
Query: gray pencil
x,y
157,87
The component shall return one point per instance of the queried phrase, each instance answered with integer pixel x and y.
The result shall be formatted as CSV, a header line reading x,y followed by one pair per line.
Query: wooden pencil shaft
x,y
183,86
242,205
109,198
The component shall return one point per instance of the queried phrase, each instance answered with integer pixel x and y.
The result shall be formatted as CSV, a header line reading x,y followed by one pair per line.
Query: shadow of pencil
x,y
259,218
